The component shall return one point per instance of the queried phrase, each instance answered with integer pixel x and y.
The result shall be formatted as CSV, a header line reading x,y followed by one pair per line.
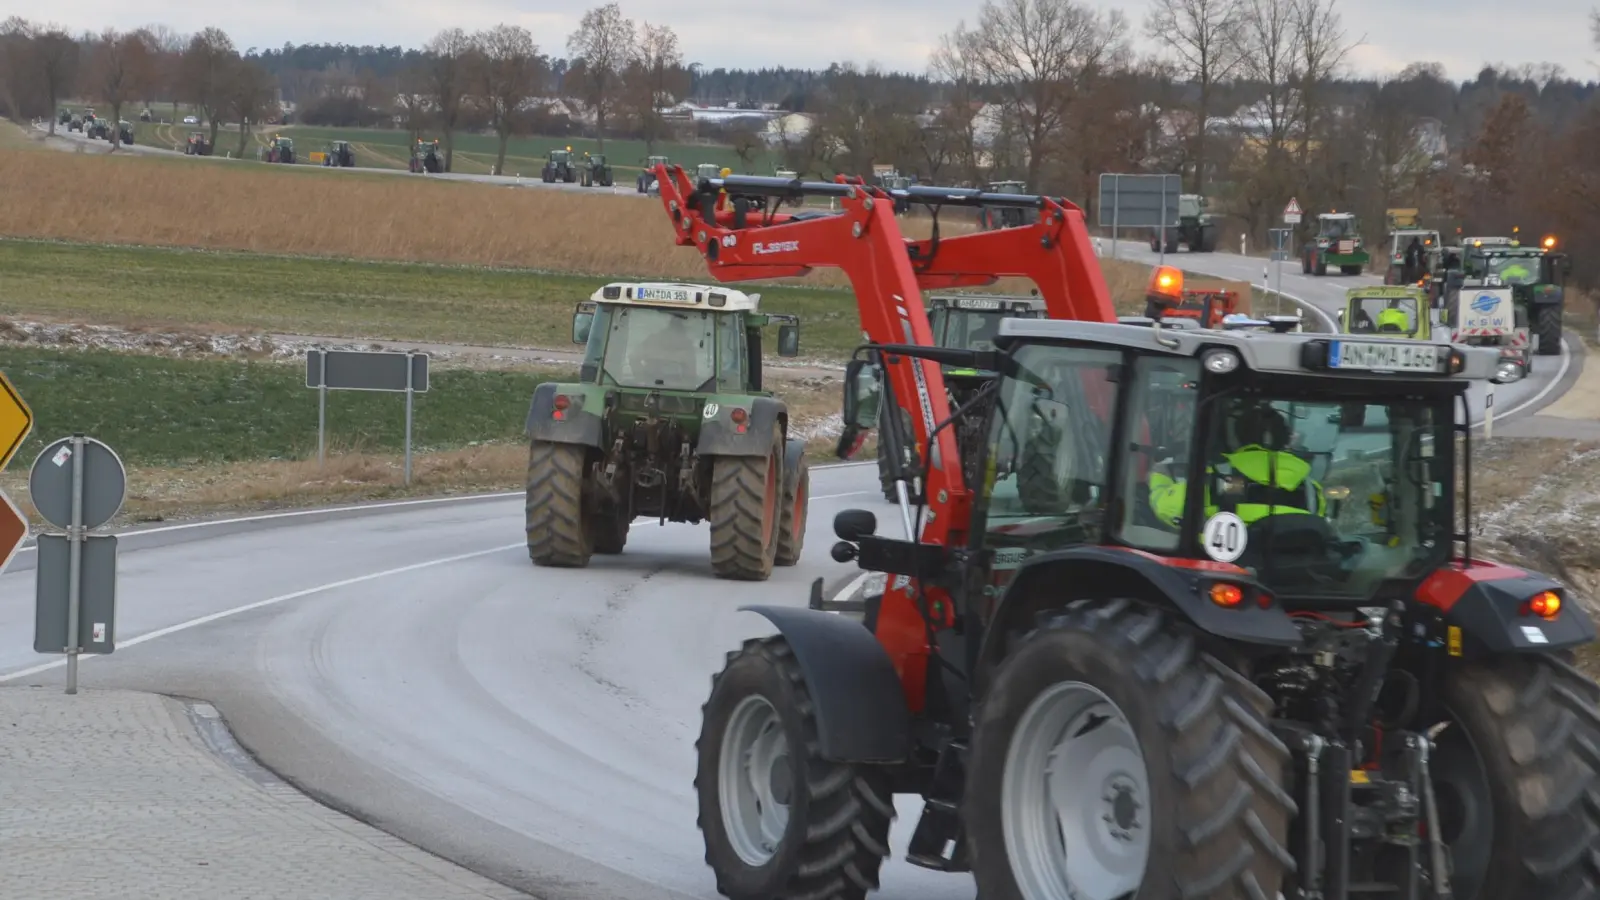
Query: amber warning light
x,y
1167,281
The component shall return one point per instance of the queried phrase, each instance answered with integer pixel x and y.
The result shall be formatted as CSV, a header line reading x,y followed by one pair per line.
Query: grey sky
x,y
1463,35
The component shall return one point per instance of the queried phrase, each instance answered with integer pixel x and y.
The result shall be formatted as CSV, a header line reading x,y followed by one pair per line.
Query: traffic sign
x,y
1291,213
16,420
105,483
13,530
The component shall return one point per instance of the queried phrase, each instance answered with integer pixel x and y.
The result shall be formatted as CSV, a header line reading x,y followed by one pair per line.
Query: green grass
x,y
162,287
157,411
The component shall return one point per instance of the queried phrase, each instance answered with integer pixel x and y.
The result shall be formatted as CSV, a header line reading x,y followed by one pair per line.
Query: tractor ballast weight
x,y
1197,230
1337,243
668,420
1101,689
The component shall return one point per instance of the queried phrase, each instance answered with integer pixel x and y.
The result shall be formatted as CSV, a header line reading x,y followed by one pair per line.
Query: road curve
x,y
412,667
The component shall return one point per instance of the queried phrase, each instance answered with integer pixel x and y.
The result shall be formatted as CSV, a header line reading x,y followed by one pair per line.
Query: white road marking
x,y
270,601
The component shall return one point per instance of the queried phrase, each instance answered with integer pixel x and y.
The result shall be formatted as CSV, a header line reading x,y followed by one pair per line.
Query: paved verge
x,y
133,795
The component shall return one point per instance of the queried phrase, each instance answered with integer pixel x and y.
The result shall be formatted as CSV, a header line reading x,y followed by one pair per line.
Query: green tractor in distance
x,y
961,322
199,144
1005,217
339,155
647,178
595,171
558,166
1197,229
1338,243
280,150
668,420
64,117
125,132
96,128
1403,229
1535,277
426,157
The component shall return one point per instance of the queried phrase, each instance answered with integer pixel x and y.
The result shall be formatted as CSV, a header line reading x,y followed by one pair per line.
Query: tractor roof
x,y
676,294
990,302
1303,353
1336,215
1387,292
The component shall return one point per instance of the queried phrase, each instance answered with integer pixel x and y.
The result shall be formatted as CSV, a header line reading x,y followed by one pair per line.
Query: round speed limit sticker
x,y
1224,537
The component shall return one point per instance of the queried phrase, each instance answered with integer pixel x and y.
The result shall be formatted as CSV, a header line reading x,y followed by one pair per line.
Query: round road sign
x,y
105,483
1224,537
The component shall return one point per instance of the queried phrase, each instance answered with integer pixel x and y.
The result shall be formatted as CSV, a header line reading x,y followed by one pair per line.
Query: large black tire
x,y
558,531
1531,725
837,834
792,513
1547,326
746,493
1185,707
611,531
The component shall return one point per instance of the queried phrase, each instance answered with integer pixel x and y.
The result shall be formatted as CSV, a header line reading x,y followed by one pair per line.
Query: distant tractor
x,y
95,128
707,170
668,420
990,218
339,155
146,116
891,180
280,150
197,145
1338,243
647,178
1197,229
595,171
76,123
426,157
1403,229
64,117
1531,282
559,167
125,132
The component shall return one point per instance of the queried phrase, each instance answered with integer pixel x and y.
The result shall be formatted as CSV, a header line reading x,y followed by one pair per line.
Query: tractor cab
x,y
1387,312
707,170
990,218
972,322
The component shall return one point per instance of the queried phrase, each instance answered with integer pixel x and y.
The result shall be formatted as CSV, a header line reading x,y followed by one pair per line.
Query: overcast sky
x,y
897,34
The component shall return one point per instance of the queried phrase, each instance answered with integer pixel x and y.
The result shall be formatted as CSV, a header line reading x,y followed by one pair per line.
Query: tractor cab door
x,y
738,355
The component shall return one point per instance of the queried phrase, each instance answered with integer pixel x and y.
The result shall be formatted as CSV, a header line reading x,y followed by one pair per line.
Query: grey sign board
x,y
1139,201
105,483
97,618
366,370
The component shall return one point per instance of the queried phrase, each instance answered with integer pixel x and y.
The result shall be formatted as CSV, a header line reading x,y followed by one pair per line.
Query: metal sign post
x,y
366,370
1139,201
77,484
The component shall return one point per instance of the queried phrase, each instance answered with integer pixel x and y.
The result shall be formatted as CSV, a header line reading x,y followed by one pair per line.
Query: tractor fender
x,y
794,450
719,435
860,706
1053,580
1547,295
577,426
1486,605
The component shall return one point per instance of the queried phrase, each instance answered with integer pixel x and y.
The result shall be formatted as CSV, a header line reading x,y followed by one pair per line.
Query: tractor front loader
x,y
1293,681
668,420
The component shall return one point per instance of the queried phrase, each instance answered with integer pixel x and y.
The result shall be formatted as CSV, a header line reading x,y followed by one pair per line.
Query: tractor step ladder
x,y
940,843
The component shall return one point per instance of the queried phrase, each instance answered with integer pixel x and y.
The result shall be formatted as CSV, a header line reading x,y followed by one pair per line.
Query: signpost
x,y
77,484
16,421
1291,213
1280,252
1139,201
365,370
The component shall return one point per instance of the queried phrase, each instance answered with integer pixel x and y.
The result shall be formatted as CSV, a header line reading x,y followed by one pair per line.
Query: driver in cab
x,y
1390,320
1254,480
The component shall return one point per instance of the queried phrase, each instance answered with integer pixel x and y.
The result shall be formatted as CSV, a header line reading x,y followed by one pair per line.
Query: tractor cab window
x,y
1337,228
731,353
1384,315
653,347
1051,440
1160,430
1510,268
1336,497
969,330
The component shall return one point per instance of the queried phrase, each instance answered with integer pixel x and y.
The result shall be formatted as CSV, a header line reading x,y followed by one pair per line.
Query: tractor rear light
x,y
1226,595
561,403
738,416
1545,605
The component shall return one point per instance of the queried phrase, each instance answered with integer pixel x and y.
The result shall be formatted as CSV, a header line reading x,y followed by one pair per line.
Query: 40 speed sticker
x,y
1224,537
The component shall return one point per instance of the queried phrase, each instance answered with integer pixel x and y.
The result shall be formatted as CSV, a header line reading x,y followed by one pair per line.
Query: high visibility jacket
x,y
1291,492
1394,317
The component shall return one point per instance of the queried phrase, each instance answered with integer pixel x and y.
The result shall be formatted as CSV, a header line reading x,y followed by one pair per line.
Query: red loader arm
x,y
728,220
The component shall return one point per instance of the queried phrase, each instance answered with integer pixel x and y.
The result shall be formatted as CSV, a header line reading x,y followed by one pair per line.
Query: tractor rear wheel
x,y
559,531
779,820
792,524
746,493
1112,758
1548,328
1517,779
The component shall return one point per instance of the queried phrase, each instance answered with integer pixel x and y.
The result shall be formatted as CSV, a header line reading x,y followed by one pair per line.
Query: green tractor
x,y
647,178
125,132
1197,229
1338,243
280,150
558,166
595,171
1404,228
1533,276
339,155
668,420
64,117
962,322
1007,216
426,157
96,128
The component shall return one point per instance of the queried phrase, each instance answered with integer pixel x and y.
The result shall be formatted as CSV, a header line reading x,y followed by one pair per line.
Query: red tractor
x,y
1296,682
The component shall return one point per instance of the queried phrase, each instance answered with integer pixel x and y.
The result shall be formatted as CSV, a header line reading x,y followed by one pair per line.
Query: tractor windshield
x,y
1384,315
966,329
654,347
1338,228
1510,268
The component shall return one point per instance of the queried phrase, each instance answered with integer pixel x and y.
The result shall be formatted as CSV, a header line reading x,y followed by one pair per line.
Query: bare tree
x,y
17,65
604,42
411,102
166,82
507,73
1322,46
249,98
449,71
1203,39
55,53
204,73
655,77
120,66
1270,60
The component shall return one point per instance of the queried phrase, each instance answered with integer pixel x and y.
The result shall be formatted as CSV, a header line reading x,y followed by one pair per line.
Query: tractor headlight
x,y
1221,362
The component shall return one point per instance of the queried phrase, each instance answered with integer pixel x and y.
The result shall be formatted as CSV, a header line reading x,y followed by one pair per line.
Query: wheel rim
x,y
753,781
769,504
1466,811
1075,798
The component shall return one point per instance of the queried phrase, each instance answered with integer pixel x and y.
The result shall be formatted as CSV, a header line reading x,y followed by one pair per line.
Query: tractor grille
x,y
671,404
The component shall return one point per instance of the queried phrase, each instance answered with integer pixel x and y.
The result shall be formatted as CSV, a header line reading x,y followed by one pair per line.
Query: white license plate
x,y
1381,356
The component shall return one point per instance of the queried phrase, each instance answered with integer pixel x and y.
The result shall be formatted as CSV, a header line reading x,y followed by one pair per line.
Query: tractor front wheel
x,y
1515,774
559,533
746,493
792,525
1112,758
779,820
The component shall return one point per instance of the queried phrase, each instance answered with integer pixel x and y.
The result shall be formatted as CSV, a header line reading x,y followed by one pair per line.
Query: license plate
x,y
1381,356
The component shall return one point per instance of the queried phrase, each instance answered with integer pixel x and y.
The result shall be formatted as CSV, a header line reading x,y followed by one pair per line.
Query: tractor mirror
x,y
788,340
582,320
